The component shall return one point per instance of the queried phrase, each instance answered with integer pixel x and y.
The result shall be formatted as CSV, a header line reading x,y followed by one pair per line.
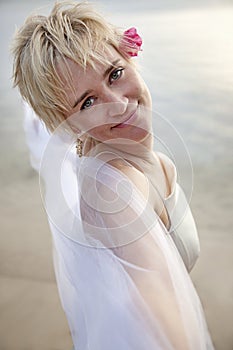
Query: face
x,y
109,103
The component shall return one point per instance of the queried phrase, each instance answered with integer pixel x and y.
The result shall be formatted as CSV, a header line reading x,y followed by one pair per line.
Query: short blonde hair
x,y
73,30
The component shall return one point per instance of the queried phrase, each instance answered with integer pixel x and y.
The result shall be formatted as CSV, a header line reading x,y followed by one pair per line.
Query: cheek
x,y
100,133
145,97
134,84
148,98
140,90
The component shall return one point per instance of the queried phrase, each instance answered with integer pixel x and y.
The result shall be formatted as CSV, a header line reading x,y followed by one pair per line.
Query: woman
x,y
124,236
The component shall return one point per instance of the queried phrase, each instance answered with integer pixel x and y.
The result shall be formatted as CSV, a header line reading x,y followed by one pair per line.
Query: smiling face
x,y
109,103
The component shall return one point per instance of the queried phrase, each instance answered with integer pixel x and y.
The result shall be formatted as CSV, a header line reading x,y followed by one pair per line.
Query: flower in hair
x,y
131,42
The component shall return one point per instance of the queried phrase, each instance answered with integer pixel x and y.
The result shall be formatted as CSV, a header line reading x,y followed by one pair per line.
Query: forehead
x,y
76,78
68,69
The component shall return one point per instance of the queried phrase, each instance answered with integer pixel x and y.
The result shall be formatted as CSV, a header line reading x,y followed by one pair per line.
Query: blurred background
x,y
187,61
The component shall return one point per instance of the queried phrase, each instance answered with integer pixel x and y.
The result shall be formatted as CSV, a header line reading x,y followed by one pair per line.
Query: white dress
x,y
122,276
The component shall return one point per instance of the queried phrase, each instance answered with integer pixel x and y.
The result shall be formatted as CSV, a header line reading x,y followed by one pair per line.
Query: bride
x,y
124,236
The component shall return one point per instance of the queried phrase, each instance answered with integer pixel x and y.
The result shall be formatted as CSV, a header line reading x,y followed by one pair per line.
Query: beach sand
x,y
192,87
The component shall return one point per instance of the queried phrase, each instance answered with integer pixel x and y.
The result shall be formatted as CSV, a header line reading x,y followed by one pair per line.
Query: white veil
x,y
129,287
121,279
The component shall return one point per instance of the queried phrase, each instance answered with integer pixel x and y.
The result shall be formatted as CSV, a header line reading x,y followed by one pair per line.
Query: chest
x,y
159,189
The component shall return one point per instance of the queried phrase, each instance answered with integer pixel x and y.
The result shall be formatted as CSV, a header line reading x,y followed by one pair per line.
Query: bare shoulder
x,y
132,173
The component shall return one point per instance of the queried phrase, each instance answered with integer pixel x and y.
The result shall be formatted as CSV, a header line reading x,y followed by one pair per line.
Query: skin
x,y
116,102
112,104
116,108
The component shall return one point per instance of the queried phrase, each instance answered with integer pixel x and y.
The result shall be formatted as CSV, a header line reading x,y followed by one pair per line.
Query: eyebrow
x,y
108,70
86,93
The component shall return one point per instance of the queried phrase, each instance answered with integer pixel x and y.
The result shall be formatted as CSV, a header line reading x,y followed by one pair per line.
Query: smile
x,y
128,121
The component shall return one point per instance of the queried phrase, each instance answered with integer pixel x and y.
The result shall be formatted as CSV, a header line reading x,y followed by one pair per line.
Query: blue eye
x,y
88,103
116,74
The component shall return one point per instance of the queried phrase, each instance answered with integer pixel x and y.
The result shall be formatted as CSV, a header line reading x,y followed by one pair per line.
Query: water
x,y
186,61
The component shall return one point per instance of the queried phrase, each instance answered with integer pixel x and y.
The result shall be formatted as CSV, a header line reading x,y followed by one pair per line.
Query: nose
x,y
116,103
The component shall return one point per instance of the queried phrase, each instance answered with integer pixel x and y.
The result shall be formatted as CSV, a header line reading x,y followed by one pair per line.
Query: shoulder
x,y
131,174
102,181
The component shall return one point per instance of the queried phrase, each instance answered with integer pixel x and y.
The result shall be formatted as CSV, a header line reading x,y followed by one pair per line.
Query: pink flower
x,y
131,42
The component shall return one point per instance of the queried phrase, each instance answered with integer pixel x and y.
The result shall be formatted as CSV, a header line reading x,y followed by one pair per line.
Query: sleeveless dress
x,y
122,275
183,233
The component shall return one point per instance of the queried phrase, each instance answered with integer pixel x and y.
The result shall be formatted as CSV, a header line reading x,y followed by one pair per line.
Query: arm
x,y
160,287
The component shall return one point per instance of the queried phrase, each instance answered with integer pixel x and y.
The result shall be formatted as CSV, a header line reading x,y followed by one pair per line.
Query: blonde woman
x,y
124,236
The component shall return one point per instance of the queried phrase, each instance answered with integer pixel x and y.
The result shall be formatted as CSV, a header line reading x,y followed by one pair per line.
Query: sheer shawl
x,y
121,279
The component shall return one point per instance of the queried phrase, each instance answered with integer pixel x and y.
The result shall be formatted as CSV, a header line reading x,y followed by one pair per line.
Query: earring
x,y
79,147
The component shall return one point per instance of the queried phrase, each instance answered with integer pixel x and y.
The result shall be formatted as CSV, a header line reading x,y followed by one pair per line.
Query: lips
x,y
128,121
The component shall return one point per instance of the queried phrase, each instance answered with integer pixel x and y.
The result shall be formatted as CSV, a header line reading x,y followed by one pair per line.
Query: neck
x,y
142,149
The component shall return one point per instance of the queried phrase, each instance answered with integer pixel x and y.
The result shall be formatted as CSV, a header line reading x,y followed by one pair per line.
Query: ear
x,y
81,135
74,129
72,126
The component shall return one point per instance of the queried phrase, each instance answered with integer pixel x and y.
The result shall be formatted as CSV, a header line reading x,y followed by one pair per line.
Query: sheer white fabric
x,y
132,296
122,281
37,136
